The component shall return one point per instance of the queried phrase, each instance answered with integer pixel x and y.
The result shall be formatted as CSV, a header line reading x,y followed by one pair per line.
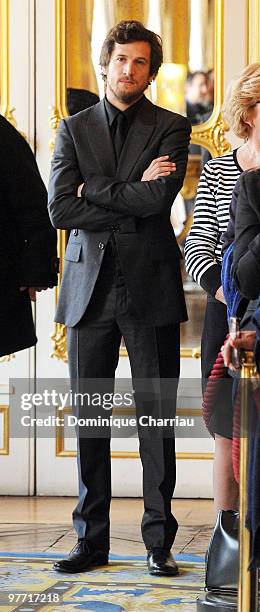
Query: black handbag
x,y
222,554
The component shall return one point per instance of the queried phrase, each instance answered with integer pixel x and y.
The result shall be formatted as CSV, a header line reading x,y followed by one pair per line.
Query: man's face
x,y
197,89
128,72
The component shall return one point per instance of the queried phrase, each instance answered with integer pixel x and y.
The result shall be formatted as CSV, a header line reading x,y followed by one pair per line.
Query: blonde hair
x,y
242,94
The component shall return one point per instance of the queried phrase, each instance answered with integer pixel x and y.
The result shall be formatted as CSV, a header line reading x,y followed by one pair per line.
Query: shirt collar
x,y
129,113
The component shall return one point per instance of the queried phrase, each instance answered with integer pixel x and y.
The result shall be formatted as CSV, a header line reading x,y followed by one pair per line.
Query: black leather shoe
x,y
160,562
81,559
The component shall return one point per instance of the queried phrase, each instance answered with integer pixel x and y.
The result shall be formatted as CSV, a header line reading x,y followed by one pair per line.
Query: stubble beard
x,y
128,97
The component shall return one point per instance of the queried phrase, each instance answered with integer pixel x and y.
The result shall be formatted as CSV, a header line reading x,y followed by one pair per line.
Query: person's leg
x,y
93,351
154,354
93,354
226,489
215,329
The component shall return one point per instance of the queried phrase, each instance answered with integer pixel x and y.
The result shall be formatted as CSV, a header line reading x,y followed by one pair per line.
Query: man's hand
x,y
80,190
244,340
219,295
161,166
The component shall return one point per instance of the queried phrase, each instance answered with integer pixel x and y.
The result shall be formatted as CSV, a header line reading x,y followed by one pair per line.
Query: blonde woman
x,y
203,257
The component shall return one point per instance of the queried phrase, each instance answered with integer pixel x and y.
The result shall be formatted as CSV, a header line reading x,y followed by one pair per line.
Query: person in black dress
x,y
28,251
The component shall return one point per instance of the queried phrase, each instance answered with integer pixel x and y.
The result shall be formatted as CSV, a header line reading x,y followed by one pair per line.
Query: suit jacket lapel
x,y
138,136
100,141
137,139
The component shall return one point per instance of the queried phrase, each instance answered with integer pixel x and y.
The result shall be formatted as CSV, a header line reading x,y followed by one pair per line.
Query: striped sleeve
x,y
201,243
211,216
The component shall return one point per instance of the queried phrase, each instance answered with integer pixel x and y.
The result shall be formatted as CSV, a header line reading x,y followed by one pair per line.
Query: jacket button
x,y
101,246
75,232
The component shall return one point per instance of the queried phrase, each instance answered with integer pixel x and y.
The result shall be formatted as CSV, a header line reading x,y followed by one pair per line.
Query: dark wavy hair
x,y
132,31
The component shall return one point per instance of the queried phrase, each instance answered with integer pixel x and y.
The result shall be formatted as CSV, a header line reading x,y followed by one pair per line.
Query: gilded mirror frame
x,y
210,134
4,57
252,31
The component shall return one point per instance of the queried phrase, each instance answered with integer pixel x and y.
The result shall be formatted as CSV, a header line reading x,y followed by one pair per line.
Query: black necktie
x,y
120,133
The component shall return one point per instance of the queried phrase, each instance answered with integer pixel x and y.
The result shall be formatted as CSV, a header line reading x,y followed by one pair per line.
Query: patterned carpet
x,y
122,585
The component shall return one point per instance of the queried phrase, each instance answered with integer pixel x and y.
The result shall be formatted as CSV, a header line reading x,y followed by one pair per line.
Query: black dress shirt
x,y
112,116
129,114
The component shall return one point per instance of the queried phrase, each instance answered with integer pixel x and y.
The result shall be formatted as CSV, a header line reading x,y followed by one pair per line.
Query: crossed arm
x,y
161,166
154,193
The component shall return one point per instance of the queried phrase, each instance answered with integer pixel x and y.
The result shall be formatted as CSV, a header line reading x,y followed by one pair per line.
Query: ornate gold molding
x,y
187,353
184,412
54,120
7,358
211,134
179,456
59,336
4,410
60,438
59,111
191,353
252,33
59,339
5,108
4,56
136,455
192,175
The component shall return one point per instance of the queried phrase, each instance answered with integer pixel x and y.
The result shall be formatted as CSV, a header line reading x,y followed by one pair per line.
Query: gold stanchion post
x,y
247,591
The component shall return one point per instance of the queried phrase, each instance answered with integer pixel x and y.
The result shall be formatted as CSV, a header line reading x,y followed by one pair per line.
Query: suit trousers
x,y
154,353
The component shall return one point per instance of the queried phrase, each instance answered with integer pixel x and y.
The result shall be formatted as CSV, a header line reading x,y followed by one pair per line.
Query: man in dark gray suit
x,y
116,171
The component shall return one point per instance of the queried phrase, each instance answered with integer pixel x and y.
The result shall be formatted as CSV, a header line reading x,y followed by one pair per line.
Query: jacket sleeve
x,y
246,260
145,198
66,209
201,242
26,198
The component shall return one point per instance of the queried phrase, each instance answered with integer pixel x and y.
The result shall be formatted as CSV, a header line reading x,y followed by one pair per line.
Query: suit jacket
x,y
246,260
28,241
115,200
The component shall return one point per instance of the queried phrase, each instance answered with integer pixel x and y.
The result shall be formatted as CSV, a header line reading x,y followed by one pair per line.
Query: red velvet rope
x,y
218,372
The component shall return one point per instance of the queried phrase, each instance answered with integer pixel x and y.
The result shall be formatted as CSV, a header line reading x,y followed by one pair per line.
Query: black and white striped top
x,y
211,217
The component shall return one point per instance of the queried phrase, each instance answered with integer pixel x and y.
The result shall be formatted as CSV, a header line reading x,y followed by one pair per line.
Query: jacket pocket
x,y
73,251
